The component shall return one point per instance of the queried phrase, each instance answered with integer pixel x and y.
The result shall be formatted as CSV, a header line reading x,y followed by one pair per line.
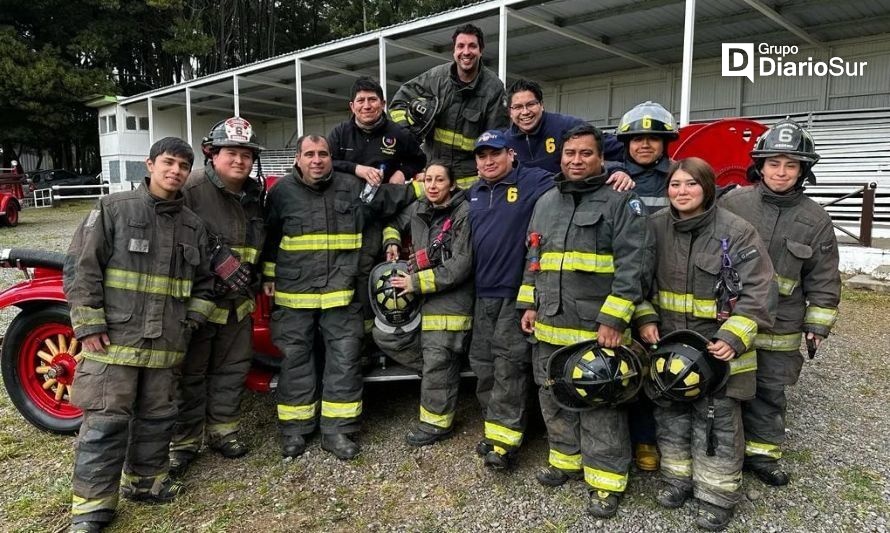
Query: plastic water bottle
x,y
370,190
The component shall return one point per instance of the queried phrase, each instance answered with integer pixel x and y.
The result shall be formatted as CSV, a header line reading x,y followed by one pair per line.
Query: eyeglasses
x,y
531,105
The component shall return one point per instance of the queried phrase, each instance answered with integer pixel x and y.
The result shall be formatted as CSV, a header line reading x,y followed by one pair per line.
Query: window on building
x,y
131,123
143,123
112,123
103,124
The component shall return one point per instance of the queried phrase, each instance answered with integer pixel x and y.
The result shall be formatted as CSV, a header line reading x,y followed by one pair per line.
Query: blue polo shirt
x,y
541,148
499,217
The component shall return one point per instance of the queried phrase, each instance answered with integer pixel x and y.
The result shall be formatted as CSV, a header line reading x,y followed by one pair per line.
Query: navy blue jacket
x,y
651,182
541,148
386,144
499,216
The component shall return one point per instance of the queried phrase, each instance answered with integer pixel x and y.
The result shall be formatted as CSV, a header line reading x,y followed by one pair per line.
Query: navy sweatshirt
x,y
499,217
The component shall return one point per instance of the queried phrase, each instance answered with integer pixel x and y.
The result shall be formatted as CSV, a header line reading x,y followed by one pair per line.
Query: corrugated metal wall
x,y
603,99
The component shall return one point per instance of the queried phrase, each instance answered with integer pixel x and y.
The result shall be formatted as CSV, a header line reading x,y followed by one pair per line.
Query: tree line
x,y
57,54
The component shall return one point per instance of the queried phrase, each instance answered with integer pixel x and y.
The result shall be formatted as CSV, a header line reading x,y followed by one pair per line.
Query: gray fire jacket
x,y
466,111
803,248
136,269
595,249
447,288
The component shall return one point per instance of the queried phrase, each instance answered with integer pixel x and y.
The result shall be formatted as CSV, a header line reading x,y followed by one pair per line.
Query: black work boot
x,y
292,446
500,461
231,447
483,447
88,526
550,476
180,461
602,503
419,437
340,445
770,473
712,517
152,490
672,496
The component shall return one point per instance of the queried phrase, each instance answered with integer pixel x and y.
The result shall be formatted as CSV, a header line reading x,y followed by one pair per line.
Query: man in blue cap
x,y
501,204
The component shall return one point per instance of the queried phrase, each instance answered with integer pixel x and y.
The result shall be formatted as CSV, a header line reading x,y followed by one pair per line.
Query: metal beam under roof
x,y
593,43
774,16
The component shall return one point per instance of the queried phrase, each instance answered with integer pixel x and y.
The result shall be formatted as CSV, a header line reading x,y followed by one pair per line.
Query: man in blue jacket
x,y
535,134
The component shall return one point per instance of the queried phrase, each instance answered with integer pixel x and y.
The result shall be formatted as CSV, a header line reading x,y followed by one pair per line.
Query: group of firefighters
x,y
541,250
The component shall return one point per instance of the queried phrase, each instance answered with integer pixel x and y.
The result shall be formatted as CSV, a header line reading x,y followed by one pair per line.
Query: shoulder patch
x,y
636,207
747,254
91,219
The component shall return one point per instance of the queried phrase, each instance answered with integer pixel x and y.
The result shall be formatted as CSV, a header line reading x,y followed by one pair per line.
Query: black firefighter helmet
x,y
648,118
585,375
787,138
682,370
421,115
391,310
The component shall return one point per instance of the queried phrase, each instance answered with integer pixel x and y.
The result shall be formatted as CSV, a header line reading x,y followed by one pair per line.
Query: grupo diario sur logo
x,y
739,59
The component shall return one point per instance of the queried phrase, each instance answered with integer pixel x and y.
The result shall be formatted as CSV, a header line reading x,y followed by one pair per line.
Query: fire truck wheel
x,y
38,361
11,218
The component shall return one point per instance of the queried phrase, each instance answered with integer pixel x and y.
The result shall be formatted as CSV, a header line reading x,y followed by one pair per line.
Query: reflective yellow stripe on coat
x,y
128,280
687,303
316,242
577,262
313,300
455,139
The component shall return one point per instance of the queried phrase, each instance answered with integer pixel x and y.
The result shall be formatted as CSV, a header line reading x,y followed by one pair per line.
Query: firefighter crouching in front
x,y
137,283
212,376
802,245
697,244
582,283
314,220
442,275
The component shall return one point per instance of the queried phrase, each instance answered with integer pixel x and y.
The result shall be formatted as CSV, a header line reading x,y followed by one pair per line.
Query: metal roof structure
x,y
547,41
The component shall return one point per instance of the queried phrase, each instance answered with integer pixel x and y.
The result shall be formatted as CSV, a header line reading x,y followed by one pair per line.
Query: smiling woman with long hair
x,y
701,441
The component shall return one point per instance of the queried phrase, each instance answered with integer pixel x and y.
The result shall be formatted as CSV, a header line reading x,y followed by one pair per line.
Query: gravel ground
x,y
836,452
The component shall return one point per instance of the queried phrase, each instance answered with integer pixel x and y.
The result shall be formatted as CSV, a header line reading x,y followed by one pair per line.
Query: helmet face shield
x,y
682,369
585,375
648,118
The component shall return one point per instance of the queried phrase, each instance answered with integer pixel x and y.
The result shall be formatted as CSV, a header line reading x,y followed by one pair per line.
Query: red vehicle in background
x,y
39,351
12,192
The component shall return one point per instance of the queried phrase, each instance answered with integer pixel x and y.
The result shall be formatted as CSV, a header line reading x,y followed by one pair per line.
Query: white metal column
x,y
151,121
188,115
381,46
686,78
502,43
298,87
235,101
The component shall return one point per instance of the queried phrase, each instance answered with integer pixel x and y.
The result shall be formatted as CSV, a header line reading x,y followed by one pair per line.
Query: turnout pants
x,y
764,416
298,394
440,378
597,440
683,441
211,384
500,356
128,415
